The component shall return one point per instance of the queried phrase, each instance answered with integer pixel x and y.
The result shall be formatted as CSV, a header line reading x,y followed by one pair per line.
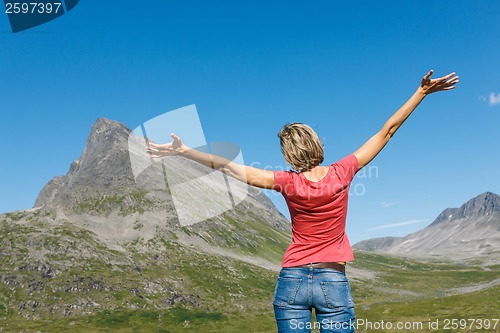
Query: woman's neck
x,y
316,174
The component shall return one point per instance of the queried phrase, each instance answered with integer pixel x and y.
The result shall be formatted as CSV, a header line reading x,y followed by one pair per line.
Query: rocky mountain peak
x,y
103,167
484,204
106,131
105,157
102,180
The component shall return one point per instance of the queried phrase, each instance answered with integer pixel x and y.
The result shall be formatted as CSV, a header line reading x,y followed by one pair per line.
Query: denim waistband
x,y
304,271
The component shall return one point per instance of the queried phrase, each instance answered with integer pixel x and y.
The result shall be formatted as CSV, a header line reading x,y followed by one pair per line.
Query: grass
x,y
133,202
479,305
244,233
422,278
422,292
162,286
175,320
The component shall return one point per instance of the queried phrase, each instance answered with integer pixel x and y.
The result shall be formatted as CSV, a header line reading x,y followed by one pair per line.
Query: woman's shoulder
x,y
347,161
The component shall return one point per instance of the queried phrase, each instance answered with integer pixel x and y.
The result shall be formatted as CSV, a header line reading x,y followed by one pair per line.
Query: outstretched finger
x,y
450,82
453,80
446,77
152,144
428,75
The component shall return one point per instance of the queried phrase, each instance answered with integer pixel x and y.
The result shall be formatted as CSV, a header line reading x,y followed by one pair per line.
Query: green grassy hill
x,y
410,291
77,284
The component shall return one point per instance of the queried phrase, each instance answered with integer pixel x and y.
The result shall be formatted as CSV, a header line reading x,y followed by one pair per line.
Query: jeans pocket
x,y
337,294
286,290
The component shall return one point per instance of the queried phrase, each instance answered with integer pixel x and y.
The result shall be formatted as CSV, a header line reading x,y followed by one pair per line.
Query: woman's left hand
x,y
430,86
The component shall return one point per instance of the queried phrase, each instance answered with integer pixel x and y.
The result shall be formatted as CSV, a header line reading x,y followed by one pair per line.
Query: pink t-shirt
x,y
318,211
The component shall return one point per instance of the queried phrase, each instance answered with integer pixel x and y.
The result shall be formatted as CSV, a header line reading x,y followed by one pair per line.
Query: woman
x,y
313,267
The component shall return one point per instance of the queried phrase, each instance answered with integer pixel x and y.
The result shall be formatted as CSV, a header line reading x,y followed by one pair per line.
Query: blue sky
x,y
342,67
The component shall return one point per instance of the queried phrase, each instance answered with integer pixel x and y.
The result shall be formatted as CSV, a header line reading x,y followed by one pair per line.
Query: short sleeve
x,y
346,168
281,178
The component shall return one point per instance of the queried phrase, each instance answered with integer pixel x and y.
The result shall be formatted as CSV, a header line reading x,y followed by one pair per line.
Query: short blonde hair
x,y
301,146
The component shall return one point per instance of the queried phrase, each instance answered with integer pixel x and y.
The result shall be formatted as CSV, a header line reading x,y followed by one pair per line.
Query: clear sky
x,y
341,66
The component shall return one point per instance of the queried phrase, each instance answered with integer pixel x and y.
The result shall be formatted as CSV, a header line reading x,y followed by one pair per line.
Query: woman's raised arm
x,y
376,143
250,175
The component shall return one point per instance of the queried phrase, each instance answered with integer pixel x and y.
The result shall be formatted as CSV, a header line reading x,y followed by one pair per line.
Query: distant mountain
x,y
97,232
471,231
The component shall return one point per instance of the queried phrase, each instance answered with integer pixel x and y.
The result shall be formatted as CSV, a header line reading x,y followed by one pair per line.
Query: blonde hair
x,y
301,146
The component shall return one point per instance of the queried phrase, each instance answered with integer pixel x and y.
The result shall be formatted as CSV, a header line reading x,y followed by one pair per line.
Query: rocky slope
x,y
471,231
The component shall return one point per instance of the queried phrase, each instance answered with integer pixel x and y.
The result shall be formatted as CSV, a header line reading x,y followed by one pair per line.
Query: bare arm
x,y
367,152
250,175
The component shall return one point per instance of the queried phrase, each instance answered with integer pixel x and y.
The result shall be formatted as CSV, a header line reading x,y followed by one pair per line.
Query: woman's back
x,y
318,211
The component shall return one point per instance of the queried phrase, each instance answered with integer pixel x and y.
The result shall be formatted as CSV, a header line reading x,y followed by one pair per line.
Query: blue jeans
x,y
299,290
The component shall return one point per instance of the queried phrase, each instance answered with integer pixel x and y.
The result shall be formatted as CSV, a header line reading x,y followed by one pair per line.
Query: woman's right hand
x,y
168,149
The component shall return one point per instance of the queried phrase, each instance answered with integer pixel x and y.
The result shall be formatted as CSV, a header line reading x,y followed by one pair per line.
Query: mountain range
x,y
470,231
104,250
